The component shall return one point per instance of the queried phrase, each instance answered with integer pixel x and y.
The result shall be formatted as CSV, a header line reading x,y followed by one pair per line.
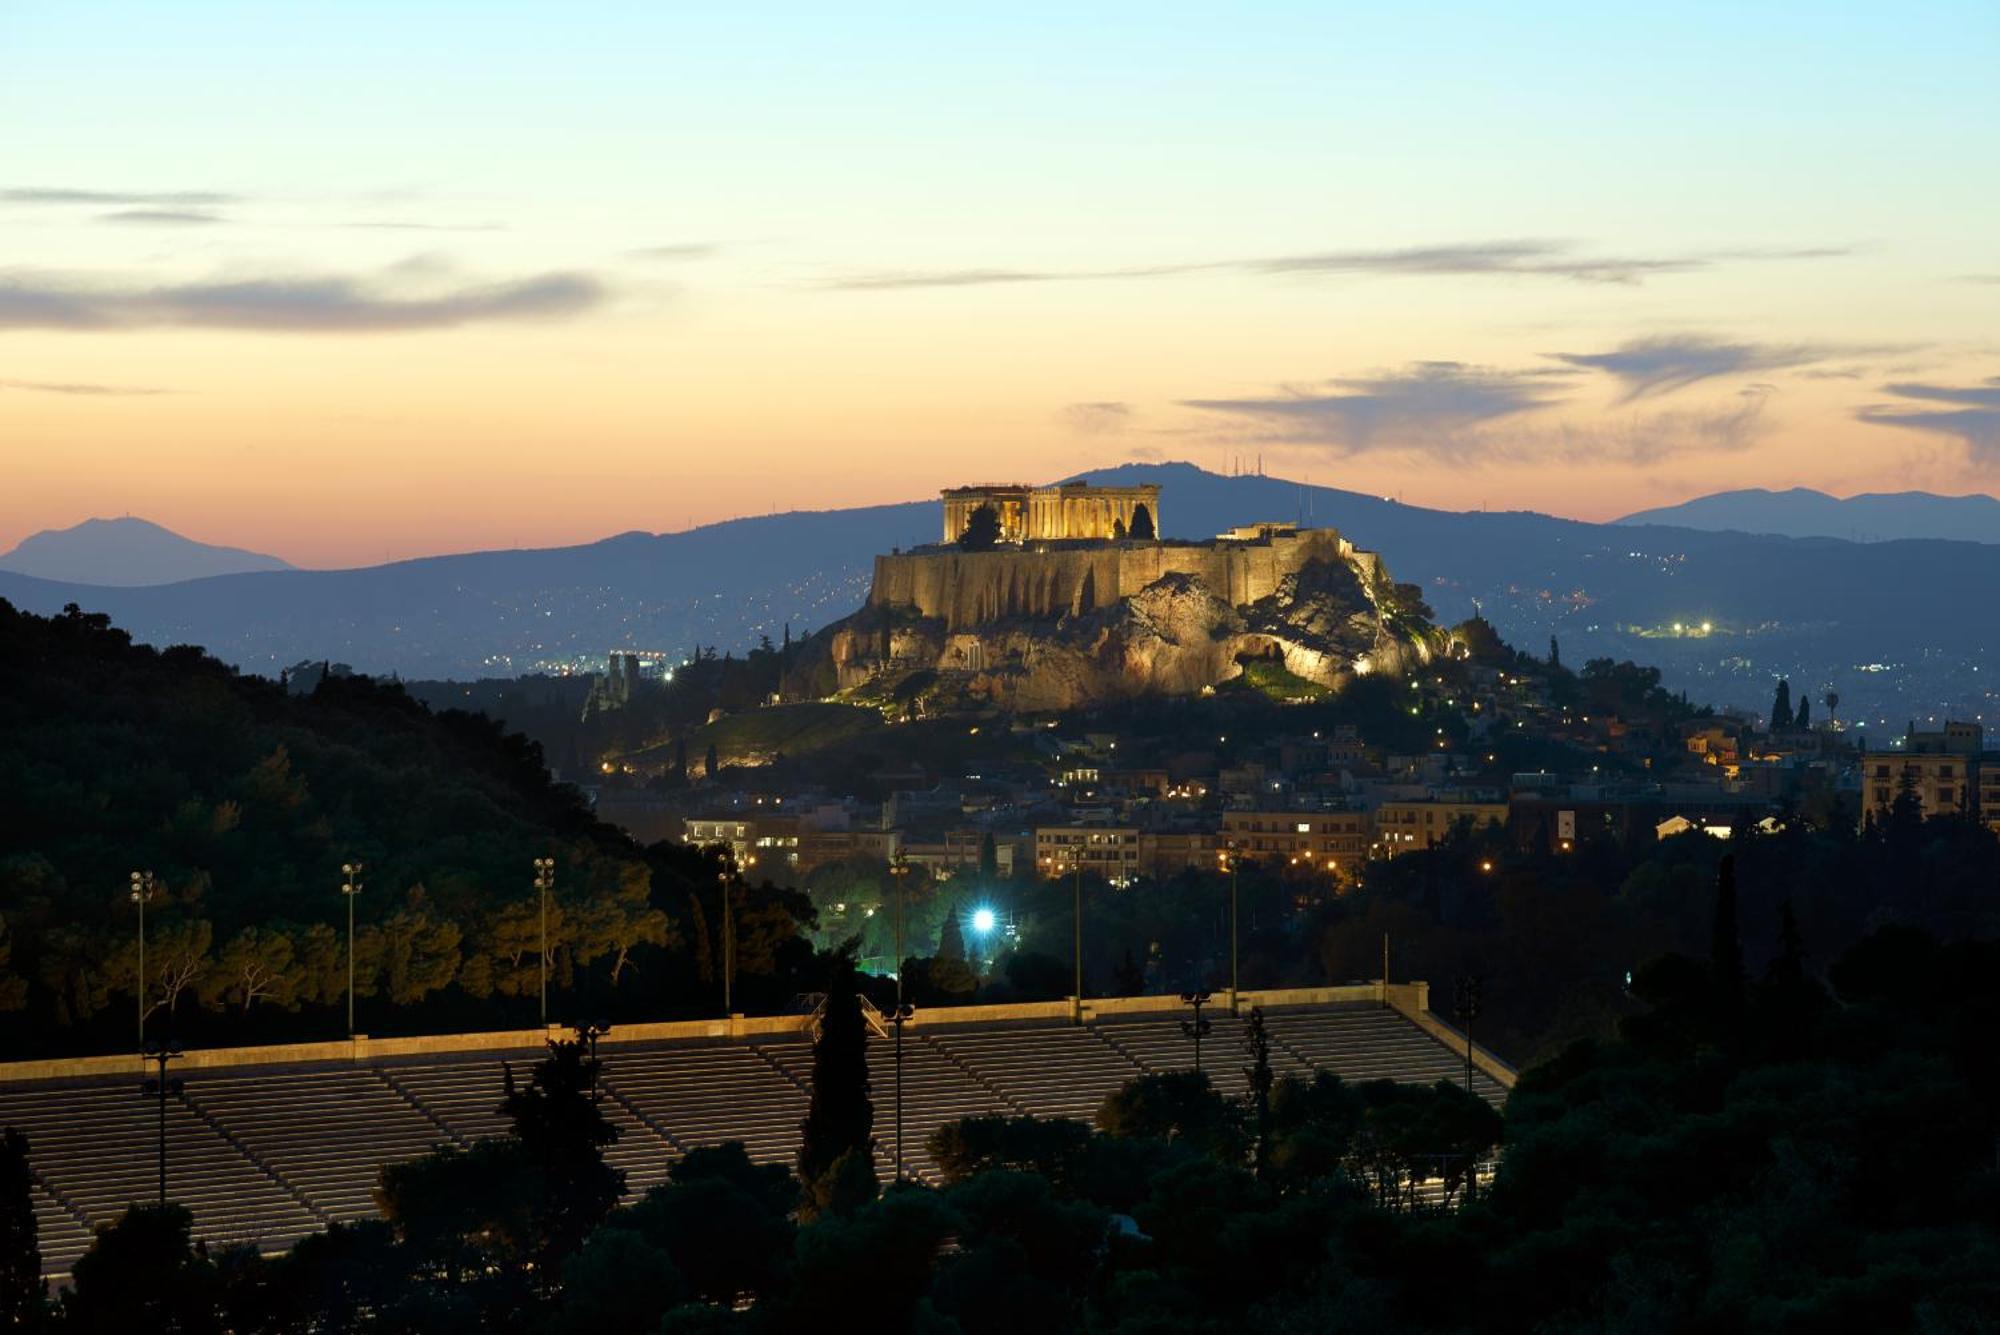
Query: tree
x,y
950,976
982,529
1833,706
1258,1075
1725,959
1174,1106
1142,524
840,1121
1555,653
711,763
1803,720
143,1274
562,1133
258,964
20,1250
13,987
1781,706
619,1284
989,862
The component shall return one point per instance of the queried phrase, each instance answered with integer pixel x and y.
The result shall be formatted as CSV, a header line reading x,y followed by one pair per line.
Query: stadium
x,y
268,1145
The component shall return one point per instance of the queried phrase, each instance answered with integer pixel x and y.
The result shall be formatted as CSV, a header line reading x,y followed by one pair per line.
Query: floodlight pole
x,y
350,886
1197,1027
545,879
160,1053
142,890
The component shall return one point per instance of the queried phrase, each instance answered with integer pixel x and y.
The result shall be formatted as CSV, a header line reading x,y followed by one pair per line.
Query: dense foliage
x,y
1779,1152
244,801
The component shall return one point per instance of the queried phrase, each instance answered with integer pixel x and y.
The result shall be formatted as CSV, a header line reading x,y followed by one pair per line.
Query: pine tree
x,y
840,1120
1725,958
1258,1074
1781,707
982,529
20,1250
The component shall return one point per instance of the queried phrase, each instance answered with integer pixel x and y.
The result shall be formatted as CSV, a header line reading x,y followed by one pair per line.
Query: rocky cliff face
x,y
1330,613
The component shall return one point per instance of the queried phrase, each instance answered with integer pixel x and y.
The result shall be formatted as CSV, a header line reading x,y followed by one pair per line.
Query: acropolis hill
x,y
1048,600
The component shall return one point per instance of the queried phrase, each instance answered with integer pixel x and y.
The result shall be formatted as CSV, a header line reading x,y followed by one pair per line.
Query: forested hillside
x,y
244,802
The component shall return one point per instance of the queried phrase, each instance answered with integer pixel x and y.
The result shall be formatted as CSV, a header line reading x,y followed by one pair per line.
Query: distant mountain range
x,y
1893,626
127,553
1805,513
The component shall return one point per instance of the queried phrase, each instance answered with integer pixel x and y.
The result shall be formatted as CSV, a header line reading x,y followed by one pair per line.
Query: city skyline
x,y
285,282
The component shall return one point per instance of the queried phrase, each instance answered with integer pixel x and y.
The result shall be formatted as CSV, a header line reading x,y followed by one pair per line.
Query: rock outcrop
x,y
1054,629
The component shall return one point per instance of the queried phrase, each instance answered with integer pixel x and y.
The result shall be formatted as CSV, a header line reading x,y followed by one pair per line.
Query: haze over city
x,y
292,279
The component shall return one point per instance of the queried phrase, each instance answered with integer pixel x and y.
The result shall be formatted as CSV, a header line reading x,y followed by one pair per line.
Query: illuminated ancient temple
x,y
1067,510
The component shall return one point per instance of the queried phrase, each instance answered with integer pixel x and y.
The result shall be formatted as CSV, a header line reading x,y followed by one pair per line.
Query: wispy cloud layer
x,y
687,250
81,390
290,304
1532,258
1431,402
163,217
1660,365
157,198
1471,416
1097,419
1972,414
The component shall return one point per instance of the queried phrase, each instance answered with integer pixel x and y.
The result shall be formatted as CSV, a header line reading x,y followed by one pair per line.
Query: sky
x,y
360,281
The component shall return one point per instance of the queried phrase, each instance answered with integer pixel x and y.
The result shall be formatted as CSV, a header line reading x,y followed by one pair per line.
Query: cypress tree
x,y
1142,524
1725,957
840,1120
1781,707
1804,718
712,763
1257,1043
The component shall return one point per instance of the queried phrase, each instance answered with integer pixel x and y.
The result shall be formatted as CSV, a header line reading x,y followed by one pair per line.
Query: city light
x,y
982,920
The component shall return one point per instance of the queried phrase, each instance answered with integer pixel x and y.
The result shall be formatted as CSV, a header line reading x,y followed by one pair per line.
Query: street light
x,y
143,886
1198,1027
899,867
899,1017
1076,1005
350,886
545,879
588,1033
1229,860
1465,1001
160,1053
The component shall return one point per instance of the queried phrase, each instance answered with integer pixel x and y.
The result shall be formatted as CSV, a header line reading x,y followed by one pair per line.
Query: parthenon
x,y
1067,510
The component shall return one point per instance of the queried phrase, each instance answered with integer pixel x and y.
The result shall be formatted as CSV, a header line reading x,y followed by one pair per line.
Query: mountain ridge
x,y
1875,516
128,552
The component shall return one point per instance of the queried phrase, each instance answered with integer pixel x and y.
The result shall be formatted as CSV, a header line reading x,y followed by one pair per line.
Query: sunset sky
x,y
357,281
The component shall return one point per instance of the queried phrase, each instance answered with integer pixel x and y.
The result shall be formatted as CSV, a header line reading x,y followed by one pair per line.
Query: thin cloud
x,y
1097,419
305,304
81,390
1531,257
160,198
693,250
1650,366
1423,406
1972,414
165,217
401,225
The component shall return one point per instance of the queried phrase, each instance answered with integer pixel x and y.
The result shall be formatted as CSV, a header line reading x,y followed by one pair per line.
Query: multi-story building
x,y
1941,768
772,841
1402,827
1164,853
1335,839
1111,851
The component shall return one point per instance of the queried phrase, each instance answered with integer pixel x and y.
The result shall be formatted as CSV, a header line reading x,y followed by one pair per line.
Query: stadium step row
x,y
267,1156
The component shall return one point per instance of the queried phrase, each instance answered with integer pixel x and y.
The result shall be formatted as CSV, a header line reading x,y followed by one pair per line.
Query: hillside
x,y
127,552
245,802
1804,513
1809,608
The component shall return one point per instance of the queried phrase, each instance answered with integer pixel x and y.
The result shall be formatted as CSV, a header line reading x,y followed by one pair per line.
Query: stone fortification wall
x,y
968,589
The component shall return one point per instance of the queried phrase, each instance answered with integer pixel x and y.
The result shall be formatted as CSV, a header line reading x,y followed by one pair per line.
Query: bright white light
x,y
982,921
